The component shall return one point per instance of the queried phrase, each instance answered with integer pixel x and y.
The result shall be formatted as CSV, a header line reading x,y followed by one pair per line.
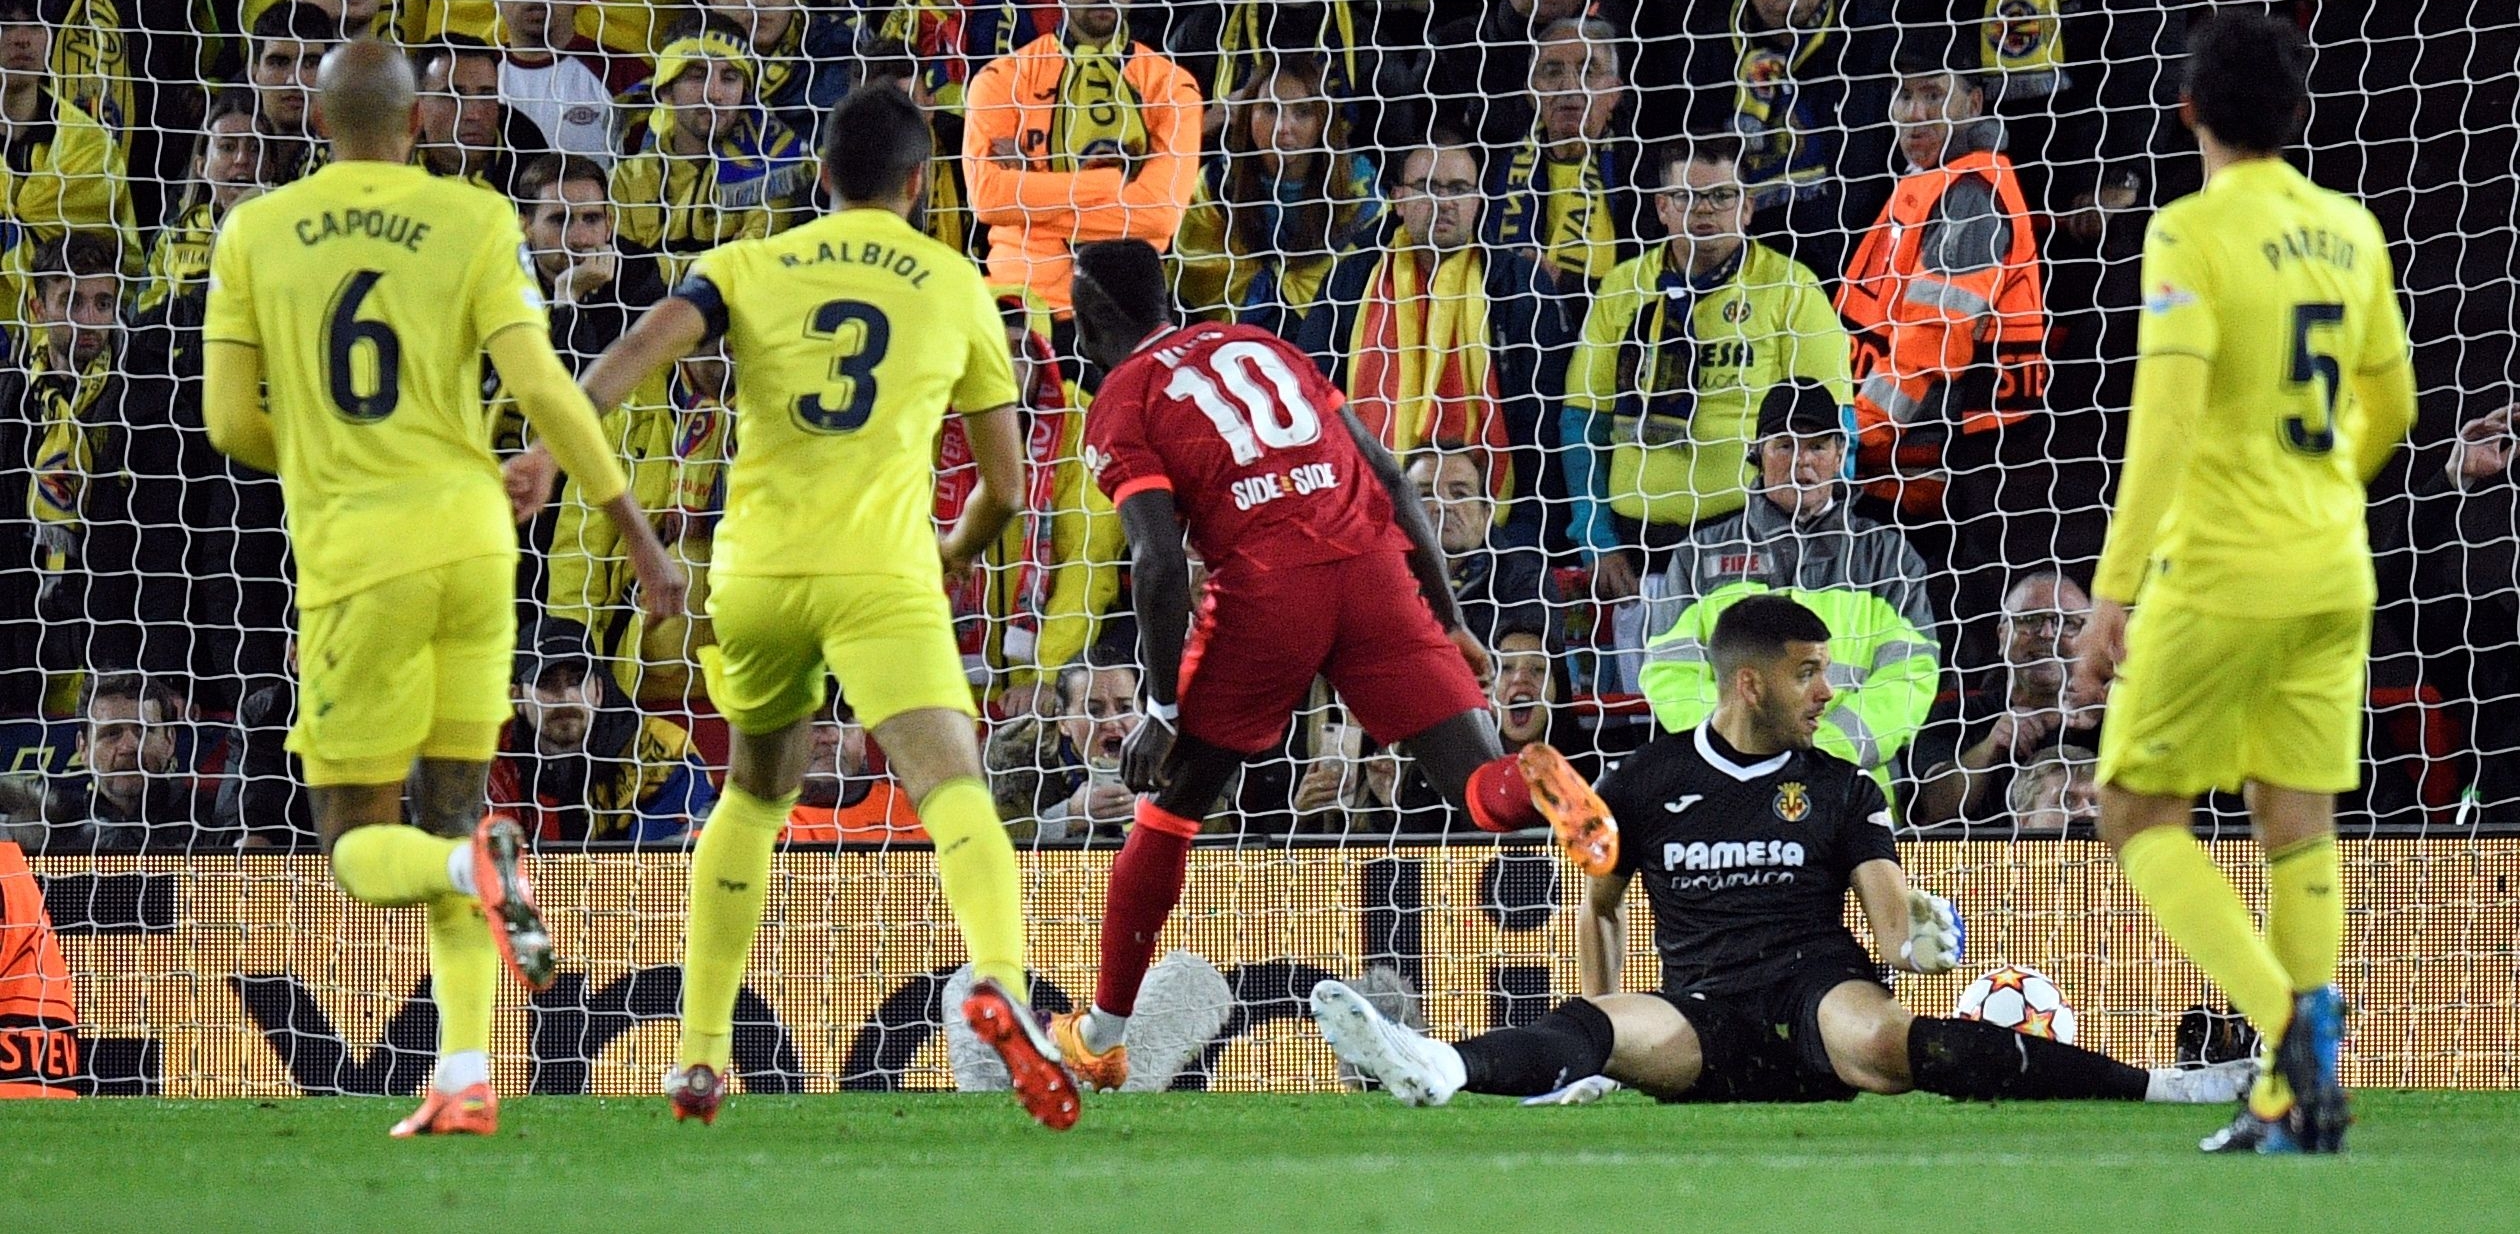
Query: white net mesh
x,y
1561,256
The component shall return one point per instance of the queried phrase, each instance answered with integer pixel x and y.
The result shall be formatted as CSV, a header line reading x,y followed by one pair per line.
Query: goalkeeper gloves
x,y
1935,933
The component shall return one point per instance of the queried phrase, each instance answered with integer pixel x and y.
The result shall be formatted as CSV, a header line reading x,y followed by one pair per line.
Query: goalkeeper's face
x,y
1789,694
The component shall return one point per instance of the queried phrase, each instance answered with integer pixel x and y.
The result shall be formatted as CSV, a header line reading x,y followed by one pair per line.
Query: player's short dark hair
x,y
2248,75
76,255
298,22
544,173
1758,629
872,141
1123,280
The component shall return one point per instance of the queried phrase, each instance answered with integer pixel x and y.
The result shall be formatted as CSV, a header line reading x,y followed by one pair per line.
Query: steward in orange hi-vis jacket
x,y
39,1053
1943,300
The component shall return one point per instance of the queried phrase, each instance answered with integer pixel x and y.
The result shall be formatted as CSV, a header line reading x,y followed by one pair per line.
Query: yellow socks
x,y
2198,909
730,881
2305,910
391,864
463,973
976,864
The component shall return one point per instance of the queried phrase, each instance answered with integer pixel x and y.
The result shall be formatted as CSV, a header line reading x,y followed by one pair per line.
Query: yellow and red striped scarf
x,y
1420,362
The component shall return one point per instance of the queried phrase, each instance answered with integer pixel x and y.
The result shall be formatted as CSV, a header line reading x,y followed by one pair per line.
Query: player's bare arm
x,y
1600,937
1159,587
997,446
664,334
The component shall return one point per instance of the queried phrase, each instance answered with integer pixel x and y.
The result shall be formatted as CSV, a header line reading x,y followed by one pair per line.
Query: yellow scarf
x,y
1096,118
2020,36
1419,367
65,460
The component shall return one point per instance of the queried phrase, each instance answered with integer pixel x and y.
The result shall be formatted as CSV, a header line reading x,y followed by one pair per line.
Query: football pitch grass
x,y
1182,1161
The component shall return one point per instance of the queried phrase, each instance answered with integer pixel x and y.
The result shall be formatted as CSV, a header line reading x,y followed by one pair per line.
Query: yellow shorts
x,y
2211,702
414,667
890,641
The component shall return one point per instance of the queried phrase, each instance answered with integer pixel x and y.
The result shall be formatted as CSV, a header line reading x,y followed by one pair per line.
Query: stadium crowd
x,y
1660,305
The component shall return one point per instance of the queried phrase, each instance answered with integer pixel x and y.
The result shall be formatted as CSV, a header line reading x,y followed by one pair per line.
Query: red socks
x,y
1145,885
1499,799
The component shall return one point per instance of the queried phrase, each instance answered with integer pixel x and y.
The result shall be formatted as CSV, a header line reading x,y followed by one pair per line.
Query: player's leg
x,y
1638,1039
1406,682
2179,716
2303,749
766,678
1139,897
1247,665
1876,1044
895,657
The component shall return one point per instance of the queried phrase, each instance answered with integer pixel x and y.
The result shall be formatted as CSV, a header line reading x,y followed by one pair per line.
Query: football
x,y
2021,999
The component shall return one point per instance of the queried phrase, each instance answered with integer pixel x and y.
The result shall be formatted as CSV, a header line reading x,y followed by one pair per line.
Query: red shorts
x,y
1261,639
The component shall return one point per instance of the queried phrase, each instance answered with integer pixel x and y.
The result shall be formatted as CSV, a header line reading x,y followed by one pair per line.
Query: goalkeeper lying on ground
x,y
1748,840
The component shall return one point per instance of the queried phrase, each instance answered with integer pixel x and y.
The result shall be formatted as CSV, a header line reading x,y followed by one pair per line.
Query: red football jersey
x,y
1246,433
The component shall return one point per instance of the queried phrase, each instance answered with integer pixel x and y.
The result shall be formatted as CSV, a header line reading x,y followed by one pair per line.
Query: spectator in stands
x,y
1036,599
2456,555
1566,189
1436,338
579,762
946,214
845,801
561,80
595,290
711,166
1482,66
950,41
133,796
288,41
63,393
2059,791
1803,82
2018,709
1272,215
227,167
1678,352
1943,296
1066,775
1231,47
804,55
1798,534
265,797
1493,582
465,130
1080,136
65,169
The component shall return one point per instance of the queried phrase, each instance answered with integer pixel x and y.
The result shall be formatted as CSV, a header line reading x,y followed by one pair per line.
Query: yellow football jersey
x,y
369,289
2284,289
854,335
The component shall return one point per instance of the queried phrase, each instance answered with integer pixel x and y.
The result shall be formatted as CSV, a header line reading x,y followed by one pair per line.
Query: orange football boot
x,y
474,1111
1104,1072
1583,824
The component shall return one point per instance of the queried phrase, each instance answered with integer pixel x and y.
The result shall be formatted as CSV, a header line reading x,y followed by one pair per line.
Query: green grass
x,y
918,1163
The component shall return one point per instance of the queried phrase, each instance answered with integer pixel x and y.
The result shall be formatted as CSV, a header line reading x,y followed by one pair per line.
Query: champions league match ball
x,y
2021,999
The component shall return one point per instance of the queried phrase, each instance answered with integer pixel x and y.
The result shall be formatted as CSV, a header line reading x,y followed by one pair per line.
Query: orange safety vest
x,y
1913,329
39,1045
884,815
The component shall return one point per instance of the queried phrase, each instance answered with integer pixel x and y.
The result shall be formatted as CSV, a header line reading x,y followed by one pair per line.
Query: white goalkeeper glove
x,y
1935,933
1585,1091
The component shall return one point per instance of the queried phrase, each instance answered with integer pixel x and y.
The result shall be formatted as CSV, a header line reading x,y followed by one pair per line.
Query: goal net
x,y
1656,303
